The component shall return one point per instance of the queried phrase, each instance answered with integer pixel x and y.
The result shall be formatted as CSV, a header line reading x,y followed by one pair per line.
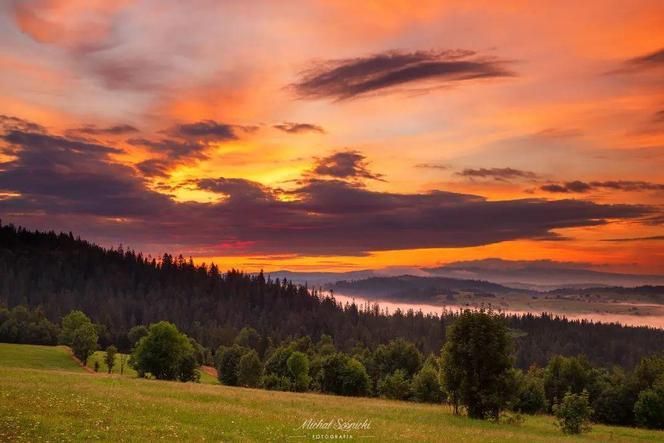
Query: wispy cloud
x,y
578,186
348,78
298,128
498,174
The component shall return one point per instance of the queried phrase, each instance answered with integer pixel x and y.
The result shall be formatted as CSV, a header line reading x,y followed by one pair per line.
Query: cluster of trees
x,y
474,372
120,288
23,325
488,364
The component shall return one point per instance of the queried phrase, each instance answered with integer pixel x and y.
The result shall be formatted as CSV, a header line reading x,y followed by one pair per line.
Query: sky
x,y
339,135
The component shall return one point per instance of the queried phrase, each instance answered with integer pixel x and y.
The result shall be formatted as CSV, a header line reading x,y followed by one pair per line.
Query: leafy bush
x,y
395,386
298,365
573,413
250,370
530,395
165,353
649,408
109,357
228,362
426,386
80,334
511,418
21,325
615,404
273,382
341,374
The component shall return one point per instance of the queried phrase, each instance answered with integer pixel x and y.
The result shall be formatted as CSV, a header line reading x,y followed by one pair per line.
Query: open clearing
x,y
44,395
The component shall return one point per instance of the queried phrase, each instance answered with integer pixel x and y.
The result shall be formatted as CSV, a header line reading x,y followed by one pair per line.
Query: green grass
x,y
100,356
37,357
38,403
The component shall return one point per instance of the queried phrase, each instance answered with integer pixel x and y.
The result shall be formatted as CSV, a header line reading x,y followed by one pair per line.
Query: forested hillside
x,y
120,288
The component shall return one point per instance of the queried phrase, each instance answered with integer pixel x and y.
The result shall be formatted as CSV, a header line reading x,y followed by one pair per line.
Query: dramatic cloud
x,y
617,185
298,128
69,184
8,123
155,167
237,189
345,165
172,153
334,217
174,149
209,130
56,175
499,174
343,79
110,130
189,144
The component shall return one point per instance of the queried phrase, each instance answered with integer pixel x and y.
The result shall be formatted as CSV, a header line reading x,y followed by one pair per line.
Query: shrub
x,y
273,382
248,338
84,341
80,334
165,353
70,323
21,325
109,358
615,404
397,354
136,333
426,386
277,362
649,408
298,365
530,395
343,375
511,418
250,370
395,386
573,413
568,374
228,362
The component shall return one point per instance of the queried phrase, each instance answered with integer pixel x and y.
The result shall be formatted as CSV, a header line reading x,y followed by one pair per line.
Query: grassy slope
x,y
130,372
59,401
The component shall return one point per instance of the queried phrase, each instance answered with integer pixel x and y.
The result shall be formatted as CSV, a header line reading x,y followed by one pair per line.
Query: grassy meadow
x,y
128,371
46,396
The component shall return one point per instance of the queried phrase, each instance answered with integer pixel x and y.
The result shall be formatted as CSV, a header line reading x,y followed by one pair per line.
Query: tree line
x,y
474,371
119,288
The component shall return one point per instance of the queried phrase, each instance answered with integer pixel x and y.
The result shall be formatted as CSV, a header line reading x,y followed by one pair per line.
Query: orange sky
x,y
501,100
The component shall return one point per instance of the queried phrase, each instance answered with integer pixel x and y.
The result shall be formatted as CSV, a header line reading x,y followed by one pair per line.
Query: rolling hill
x,y
46,397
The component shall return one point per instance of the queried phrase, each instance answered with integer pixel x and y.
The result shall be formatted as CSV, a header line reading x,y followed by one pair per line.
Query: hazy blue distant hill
x,y
420,289
541,274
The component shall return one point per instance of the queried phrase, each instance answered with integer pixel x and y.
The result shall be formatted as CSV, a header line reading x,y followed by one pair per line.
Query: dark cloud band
x,y
60,183
343,79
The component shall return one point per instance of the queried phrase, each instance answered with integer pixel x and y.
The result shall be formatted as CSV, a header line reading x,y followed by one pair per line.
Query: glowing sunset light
x,y
339,135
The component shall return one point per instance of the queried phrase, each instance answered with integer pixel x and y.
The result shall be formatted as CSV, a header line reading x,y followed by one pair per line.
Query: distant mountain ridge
x,y
541,274
419,289
538,275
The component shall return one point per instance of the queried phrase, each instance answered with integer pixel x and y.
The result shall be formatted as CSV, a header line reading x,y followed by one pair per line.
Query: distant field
x,y
57,401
